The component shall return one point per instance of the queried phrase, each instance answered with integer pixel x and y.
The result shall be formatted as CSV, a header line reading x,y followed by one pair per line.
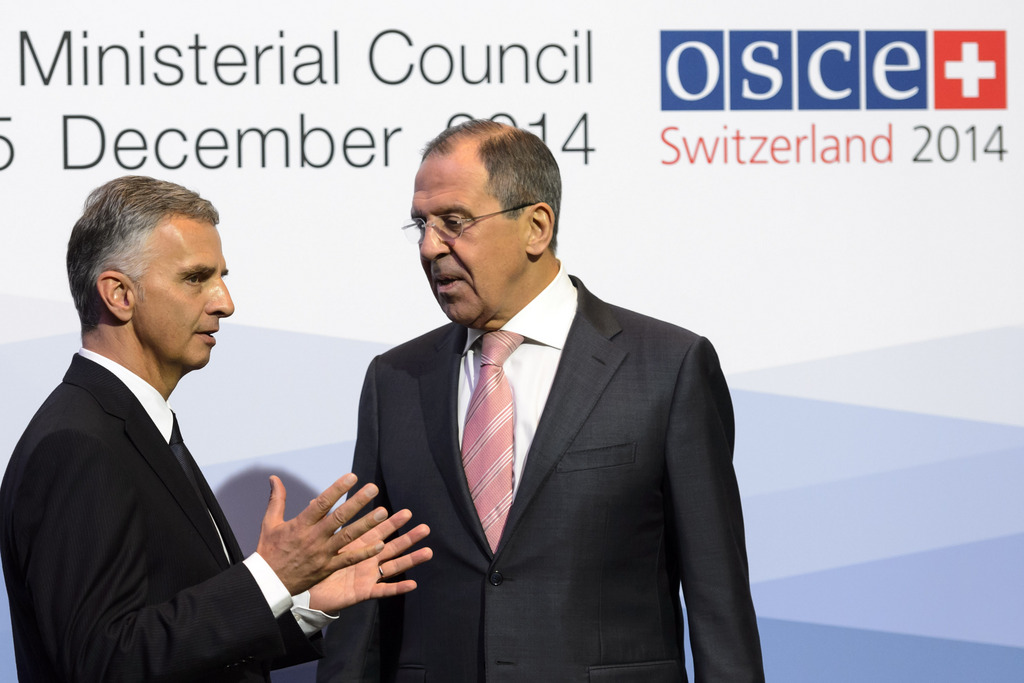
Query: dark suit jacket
x,y
628,491
113,567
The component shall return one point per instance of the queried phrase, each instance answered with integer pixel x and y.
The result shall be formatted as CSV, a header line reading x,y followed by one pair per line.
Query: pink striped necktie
x,y
487,438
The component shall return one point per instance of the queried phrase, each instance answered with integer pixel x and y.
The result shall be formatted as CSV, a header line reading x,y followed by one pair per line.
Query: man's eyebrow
x,y
202,270
458,209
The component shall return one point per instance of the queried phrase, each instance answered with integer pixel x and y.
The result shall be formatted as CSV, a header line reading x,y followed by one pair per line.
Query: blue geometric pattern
x,y
885,534
885,521
796,652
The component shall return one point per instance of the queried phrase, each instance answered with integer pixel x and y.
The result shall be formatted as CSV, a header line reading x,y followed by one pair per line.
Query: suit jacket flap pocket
x,y
592,458
411,674
667,671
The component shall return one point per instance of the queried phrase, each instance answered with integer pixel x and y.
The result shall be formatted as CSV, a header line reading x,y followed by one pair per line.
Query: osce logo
x,y
717,70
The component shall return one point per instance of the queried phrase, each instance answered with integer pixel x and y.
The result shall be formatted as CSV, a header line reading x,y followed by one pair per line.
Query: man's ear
x,y
542,226
118,294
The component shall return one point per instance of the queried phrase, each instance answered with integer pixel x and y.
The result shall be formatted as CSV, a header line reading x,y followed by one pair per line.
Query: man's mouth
x,y
445,282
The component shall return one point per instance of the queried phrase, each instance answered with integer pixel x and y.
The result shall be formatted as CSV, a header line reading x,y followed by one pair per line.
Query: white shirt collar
x,y
545,320
154,404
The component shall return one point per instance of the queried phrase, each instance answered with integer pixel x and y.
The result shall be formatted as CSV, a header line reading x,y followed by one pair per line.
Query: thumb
x,y
275,507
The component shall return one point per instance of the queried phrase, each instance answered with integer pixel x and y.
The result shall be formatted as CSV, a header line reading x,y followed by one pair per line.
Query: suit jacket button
x,y
496,578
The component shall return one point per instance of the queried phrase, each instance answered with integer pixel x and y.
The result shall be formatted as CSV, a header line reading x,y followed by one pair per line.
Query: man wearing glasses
x,y
573,459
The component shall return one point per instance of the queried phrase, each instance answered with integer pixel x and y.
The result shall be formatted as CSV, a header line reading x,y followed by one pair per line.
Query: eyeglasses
x,y
449,227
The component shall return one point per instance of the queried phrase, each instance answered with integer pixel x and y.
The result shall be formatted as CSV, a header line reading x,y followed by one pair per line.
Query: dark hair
x,y
520,167
113,231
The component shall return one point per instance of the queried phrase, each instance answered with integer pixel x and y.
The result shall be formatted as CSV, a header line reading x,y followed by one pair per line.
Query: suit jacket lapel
x,y
589,361
117,400
230,542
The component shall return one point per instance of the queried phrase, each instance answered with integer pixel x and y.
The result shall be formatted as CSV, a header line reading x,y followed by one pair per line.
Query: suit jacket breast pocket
x,y
594,458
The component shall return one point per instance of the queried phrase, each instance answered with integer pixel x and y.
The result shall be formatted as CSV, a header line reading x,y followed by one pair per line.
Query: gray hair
x,y
113,232
520,167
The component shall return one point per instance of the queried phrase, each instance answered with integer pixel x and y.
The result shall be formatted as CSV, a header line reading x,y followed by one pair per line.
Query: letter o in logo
x,y
675,84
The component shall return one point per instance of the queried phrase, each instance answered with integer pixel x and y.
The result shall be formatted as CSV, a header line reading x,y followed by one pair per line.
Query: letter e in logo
x,y
896,66
970,69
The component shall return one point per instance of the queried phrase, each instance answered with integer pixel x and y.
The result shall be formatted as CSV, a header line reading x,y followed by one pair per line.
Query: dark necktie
x,y
183,457
224,538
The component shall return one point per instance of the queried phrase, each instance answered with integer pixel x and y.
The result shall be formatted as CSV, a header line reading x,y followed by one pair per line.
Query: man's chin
x,y
454,313
473,318
197,363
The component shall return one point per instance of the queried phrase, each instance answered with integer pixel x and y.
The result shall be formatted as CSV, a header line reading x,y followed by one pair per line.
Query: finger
x,y
402,564
386,528
350,508
399,545
322,504
275,506
358,533
354,555
387,590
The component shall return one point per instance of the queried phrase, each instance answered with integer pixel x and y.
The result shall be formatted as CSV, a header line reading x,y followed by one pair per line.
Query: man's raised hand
x,y
309,547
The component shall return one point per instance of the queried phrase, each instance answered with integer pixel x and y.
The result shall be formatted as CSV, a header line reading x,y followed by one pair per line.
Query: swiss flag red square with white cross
x,y
970,69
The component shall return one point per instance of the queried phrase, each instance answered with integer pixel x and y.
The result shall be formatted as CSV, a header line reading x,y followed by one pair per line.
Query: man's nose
x,y
433,245
222,304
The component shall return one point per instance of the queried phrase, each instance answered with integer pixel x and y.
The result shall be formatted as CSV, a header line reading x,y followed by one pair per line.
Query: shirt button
x,y
496,578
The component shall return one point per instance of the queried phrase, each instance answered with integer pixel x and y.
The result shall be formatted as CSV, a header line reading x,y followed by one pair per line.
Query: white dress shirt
x,y
530,370
275,592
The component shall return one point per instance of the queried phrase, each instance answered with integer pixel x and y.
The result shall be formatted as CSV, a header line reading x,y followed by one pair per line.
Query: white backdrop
x,y
868,314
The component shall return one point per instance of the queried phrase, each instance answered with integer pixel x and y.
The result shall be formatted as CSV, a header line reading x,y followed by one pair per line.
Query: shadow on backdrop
x,y
244,498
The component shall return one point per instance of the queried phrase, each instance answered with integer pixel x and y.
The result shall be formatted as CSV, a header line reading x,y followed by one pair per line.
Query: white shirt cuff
x,y
277,597
273,590
309,619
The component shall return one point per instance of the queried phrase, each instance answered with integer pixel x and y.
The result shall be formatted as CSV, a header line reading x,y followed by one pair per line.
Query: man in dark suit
x,y
119,563
614,477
